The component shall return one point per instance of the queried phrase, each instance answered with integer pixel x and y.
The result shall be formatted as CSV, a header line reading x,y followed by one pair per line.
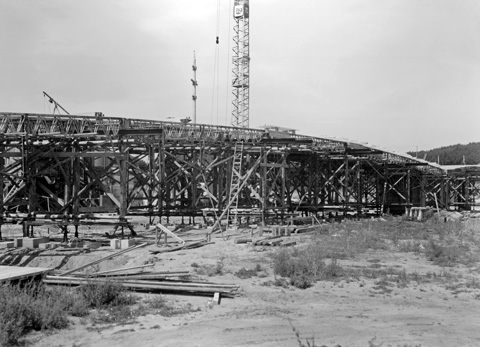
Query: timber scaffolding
x,y
76,170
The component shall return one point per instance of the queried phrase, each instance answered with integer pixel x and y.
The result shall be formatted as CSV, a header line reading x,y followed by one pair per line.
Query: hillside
x,y
452,155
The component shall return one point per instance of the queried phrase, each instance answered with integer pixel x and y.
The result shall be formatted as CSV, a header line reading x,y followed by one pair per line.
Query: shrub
x,y
303,266
97,295
26,308
244,273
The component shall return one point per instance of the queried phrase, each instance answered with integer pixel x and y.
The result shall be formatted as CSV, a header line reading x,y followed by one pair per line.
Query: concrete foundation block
x,y
127,243
33,242
18,242
115,244
47,245
6,244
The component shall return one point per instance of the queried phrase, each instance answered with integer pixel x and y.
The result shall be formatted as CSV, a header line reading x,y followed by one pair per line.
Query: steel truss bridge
x,y
72,170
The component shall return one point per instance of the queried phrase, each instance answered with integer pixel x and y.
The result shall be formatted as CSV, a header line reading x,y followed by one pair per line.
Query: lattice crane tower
x,y
241,64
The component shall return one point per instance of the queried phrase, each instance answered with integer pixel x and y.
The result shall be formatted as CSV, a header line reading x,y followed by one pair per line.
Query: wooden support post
x,y
164,188
264,188
151,181
76,187
359,190
345,185
67,172
123,172
467,191
423,192
408,195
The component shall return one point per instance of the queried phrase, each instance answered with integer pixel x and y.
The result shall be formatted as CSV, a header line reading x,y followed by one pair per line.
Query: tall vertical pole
x,y
241,64
195,84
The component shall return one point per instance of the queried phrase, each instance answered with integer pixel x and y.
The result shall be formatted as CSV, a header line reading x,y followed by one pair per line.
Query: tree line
x,y
451,155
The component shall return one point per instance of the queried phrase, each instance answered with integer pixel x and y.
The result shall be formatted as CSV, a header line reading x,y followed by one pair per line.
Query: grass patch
x,y
160,305
305,265
245,273
210,270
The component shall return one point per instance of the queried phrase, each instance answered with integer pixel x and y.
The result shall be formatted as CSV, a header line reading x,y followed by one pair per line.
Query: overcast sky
x,y
397,74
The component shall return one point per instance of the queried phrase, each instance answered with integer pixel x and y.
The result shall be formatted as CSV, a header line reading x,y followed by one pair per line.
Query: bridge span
x,y
71,170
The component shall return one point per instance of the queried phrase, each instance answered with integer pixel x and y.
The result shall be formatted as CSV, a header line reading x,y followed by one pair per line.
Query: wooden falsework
x,y
72,167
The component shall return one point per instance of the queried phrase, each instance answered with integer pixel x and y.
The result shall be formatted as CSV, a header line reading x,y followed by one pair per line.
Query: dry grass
x,y
442,243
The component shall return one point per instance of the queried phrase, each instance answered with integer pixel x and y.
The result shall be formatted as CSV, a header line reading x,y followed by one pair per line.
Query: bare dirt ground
x,y
434,305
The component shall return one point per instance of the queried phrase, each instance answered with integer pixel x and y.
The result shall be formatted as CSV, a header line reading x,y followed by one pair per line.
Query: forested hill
x,y
452,155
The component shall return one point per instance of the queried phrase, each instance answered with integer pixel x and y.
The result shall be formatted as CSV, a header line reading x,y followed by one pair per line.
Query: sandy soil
x,y
345,313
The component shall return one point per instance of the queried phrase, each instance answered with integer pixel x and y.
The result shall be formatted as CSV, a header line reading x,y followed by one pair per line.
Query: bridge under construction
x,y
73,170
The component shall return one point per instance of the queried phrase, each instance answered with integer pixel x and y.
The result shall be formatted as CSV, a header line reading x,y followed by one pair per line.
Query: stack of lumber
x,y
158,286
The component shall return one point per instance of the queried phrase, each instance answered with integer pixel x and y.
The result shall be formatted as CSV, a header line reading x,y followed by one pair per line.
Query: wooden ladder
x,y
235,183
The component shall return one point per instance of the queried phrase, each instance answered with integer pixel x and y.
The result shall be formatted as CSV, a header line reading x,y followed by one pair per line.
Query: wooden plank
x,y
168,232
102,259
9,273
122,269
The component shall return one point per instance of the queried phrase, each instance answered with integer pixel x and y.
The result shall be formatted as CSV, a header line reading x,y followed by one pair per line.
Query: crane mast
x,y
241,64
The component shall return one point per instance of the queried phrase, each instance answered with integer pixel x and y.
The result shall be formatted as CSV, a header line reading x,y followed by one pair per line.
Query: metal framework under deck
x,y
71,170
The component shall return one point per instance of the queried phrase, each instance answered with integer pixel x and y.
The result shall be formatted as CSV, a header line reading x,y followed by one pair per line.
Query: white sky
x,y
398,74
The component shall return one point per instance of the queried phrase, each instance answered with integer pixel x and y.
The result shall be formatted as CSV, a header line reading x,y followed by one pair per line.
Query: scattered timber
x,y
242,240
122,269
184,246
102,259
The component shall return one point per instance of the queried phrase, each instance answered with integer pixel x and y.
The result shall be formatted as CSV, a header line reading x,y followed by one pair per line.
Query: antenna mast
x,y
195,84
241,64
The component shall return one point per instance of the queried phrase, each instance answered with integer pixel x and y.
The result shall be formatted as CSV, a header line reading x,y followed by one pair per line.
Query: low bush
x,y
447,255
31,307
97,295
304,266
244,273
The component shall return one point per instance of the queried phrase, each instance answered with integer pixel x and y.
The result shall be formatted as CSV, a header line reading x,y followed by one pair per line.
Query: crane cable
x,y
216,64
228,63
